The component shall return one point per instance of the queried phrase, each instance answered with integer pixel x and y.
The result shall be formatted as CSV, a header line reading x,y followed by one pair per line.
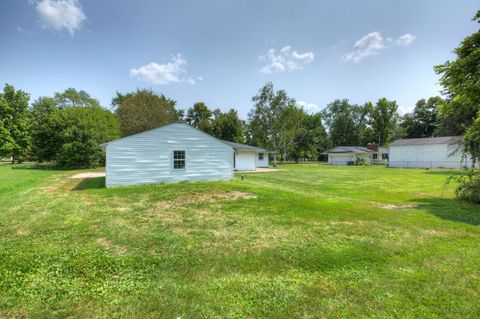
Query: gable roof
x,y
245,147
160,127
236,146
349,149
428,141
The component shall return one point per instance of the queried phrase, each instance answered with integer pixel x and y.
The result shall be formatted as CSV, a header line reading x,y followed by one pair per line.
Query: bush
x,y
85,128
361,161
468,188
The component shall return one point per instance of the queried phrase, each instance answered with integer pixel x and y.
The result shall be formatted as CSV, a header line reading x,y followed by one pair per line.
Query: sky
x,y
221,52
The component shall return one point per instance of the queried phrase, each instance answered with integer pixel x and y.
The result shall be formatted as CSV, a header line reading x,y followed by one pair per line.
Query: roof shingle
x,y
428,141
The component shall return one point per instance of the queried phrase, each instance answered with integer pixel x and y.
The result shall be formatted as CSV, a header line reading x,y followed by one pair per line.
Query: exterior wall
x,y
147,157
344,158
245,161
367,157
379,159
423,156
264,162
340,159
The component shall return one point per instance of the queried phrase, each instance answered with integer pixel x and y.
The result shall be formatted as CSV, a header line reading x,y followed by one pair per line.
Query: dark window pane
x,y
179,164
178,154
178,159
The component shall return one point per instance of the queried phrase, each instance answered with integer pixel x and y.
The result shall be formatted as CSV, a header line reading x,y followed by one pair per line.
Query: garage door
x,y
245,161
340,160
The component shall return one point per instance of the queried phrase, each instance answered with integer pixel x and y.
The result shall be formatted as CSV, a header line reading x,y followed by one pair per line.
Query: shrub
x,y
361,161
468,188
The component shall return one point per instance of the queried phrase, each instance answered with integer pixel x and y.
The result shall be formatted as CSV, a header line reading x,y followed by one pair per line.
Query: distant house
x,y
174,153
351,155
428,153
248,158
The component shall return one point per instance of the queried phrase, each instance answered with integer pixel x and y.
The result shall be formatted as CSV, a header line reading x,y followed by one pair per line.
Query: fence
x,y
431,164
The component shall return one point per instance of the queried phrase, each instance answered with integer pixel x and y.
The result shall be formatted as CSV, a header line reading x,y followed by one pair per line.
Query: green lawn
x,y
308,241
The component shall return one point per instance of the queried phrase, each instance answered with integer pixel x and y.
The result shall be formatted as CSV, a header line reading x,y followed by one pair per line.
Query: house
x,y
248,158
351,155
174,153
379,155
431,152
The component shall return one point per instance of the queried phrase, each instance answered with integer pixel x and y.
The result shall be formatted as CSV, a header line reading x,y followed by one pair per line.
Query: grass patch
x,y
305,241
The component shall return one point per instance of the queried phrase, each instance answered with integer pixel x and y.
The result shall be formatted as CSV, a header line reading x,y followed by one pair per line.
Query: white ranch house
x,y
174,153
432,152
351,155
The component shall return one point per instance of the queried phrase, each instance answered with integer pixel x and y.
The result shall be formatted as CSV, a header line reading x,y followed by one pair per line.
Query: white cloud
x,y
171,72
284,60
406,39
309,107
61,14
371,45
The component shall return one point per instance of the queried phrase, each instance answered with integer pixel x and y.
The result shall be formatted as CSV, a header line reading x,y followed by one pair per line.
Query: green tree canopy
x,y
70,133
14,123
274,120
83,130
72,97
45,129
342,121
422,122
143,110
461,81
199,116
7,143
311,139
228,126
383,119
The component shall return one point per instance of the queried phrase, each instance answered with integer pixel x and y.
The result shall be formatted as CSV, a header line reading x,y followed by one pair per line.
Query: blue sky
x,y
222,52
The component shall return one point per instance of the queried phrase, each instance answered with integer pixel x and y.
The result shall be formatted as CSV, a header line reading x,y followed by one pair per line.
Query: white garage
x,y
352,155
249,158
433,152
335,159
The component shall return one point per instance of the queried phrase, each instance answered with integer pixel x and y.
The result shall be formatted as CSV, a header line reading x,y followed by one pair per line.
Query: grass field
x,y
309,241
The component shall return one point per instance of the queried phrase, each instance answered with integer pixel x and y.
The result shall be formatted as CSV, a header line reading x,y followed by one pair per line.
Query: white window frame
x,y
184,160
263,155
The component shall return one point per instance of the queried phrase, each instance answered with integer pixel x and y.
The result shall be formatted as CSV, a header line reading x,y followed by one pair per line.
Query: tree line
x,y
68,128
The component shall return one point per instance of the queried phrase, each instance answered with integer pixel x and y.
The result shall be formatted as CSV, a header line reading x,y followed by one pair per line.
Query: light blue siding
x,y
147,157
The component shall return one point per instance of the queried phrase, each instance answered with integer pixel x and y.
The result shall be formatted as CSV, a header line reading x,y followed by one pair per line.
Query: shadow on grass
x,y
445,172
451,209
90,183
37,166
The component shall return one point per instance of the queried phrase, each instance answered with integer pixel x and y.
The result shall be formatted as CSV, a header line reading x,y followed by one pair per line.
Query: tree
x,y
70,133
289,125
228,126
72,97
199,116
143,110
83,130
461,82
422,122
45,129
6,140
342,120
311,139
264,120
383,119
14,123
454,118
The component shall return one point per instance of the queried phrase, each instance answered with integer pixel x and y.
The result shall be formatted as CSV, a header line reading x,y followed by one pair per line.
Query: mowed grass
x,y
308,241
